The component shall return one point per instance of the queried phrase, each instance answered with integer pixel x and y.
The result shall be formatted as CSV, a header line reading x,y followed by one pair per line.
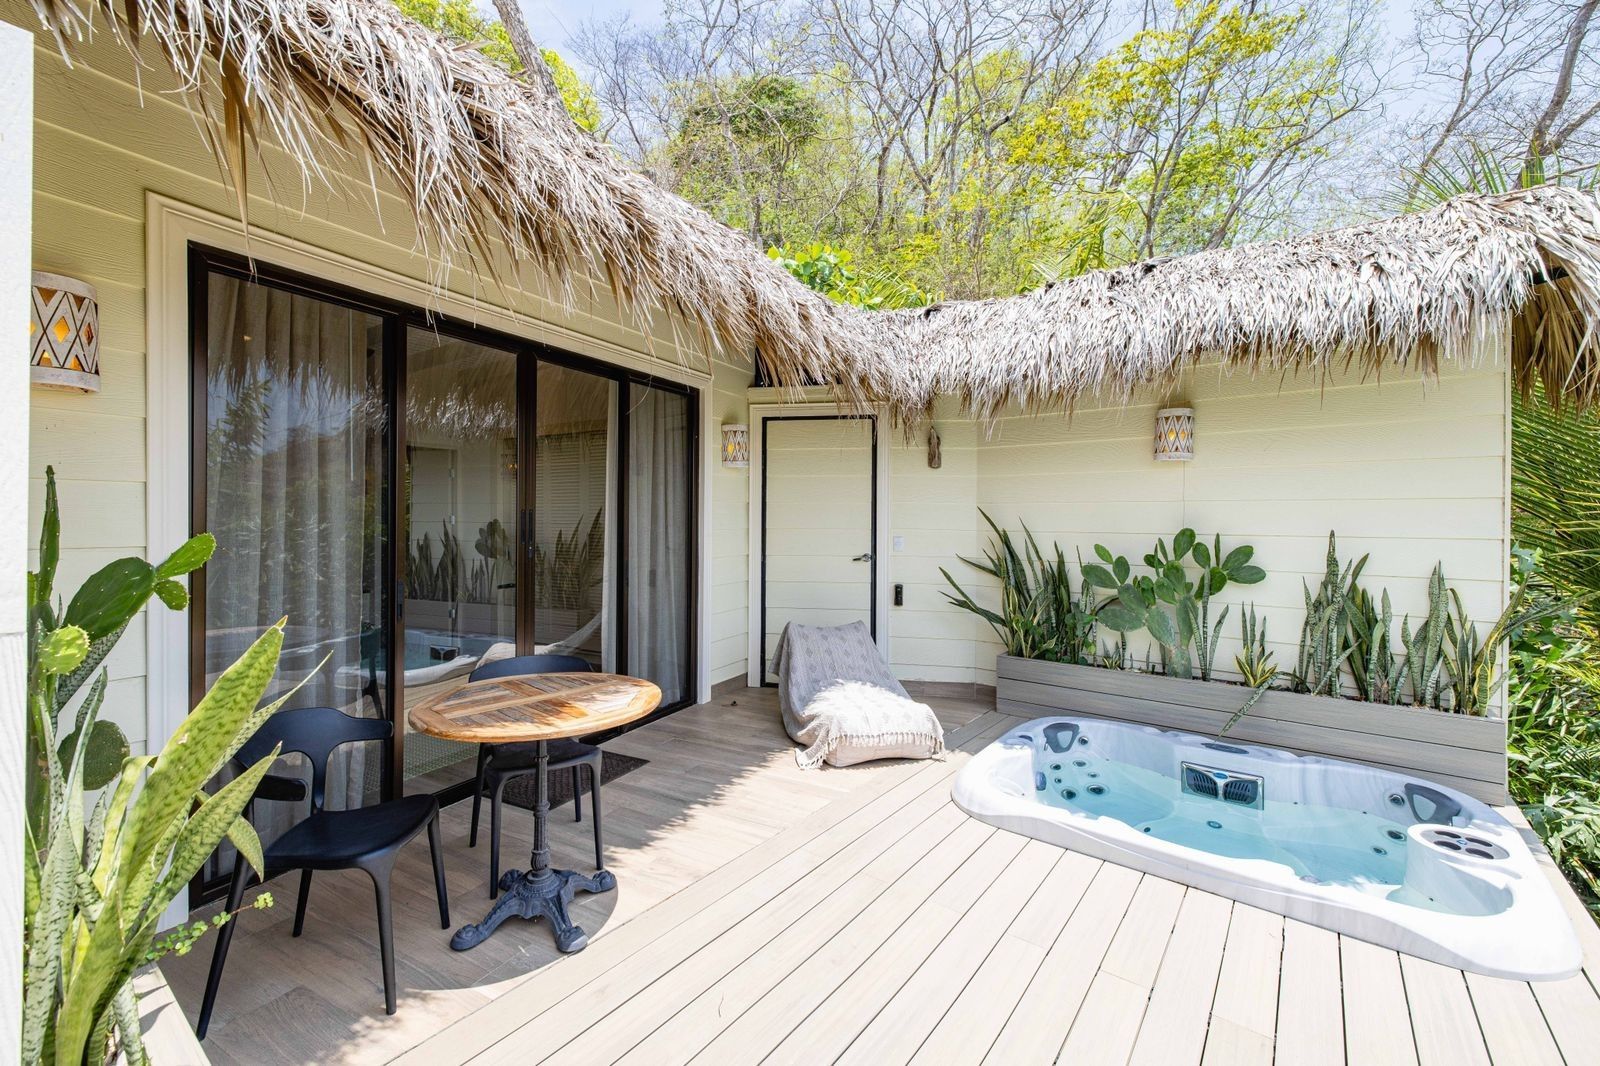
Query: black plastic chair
x,y
501,763
366,838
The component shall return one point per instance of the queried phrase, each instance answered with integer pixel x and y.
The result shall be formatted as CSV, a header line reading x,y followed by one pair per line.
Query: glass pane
x,y
571,535
461,519
295,439
659,538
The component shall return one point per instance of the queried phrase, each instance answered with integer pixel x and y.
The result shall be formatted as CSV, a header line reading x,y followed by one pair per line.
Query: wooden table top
x,y
526,707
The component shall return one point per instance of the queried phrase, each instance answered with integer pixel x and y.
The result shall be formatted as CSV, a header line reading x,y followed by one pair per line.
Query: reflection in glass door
x,y
460,519
290,479
573,464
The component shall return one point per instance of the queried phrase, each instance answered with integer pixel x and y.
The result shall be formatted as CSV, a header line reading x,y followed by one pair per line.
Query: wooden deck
x,y
769,915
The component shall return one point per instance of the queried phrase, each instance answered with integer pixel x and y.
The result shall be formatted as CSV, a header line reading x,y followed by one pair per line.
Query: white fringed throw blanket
x,y
841,702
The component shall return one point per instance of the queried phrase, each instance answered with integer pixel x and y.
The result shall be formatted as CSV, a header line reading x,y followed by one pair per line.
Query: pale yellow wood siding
x,y
105,138
1407,471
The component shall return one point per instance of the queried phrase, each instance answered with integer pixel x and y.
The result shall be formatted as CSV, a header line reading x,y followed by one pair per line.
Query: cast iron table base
x,y
539,892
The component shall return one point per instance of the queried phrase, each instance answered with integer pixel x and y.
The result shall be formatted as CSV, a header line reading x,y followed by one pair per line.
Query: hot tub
x,y
1386,858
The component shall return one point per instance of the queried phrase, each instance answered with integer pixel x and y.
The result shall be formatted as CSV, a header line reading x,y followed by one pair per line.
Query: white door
x,y
817,484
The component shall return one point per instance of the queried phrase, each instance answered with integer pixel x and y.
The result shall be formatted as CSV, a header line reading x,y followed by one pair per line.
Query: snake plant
x,y
99,876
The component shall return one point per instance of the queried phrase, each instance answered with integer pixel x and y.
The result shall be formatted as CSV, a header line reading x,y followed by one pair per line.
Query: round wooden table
x,y
537,708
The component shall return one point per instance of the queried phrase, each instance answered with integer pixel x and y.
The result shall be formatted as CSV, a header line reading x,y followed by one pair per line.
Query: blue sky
x,y
552,22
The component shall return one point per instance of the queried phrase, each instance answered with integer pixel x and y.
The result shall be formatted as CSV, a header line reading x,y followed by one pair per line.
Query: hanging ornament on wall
x,y
63,333
735,444
935,454
1175,434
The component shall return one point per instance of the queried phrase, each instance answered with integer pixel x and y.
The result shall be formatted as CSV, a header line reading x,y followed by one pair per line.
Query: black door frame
x,y
760,427
397,318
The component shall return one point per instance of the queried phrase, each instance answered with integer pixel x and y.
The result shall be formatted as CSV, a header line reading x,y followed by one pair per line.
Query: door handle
x,y
864,557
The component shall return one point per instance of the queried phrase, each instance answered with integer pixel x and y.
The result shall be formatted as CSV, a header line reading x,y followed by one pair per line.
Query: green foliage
x,y
460,20
98,877
1474,662
567,574
1426,660
1553,737
1039,617
1377,671
1255,661
1186,636
1162,144
832,272
1555,496
1324,634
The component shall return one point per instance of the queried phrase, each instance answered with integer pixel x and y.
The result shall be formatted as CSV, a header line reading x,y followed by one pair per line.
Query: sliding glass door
x,y
660,534
289,390
460,511
419,498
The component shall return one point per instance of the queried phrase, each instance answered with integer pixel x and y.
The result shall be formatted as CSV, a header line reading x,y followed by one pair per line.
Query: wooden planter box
x,y
1458,750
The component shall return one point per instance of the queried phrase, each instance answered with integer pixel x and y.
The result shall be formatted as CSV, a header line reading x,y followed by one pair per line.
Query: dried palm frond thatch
x,y
493,165
491,162
1412,292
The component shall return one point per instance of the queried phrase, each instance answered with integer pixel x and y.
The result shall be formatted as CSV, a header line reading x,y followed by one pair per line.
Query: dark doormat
x,y
519,793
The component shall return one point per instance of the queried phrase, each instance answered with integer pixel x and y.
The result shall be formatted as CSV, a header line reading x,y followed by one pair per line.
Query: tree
x,y
1519,80
460,21
1201,128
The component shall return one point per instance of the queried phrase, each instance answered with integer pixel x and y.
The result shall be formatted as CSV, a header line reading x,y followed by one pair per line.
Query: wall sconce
x,y
735,445
64,333
1175,435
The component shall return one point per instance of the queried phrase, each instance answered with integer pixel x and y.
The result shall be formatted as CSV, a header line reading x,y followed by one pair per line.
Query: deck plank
x,y
668,1016
556,1015
1513,1027
1042,1017
897,1030
1244,1013
798,916
1571,1009
970,1026
1377,1021
1310,1015
1173,1032
1442,1017
1108,1024
833,1026
754,1034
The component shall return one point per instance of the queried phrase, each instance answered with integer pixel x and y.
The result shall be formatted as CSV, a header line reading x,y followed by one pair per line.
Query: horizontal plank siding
x,y
1461,751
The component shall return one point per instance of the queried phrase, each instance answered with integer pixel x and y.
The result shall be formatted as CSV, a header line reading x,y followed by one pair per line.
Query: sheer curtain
x,y
659,523
295,434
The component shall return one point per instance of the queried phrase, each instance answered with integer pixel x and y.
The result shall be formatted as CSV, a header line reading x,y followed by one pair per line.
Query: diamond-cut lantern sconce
x,y
1175,434
64,333
735,445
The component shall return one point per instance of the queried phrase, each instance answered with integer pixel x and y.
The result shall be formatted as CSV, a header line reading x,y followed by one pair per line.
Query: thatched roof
x,y
1411,292
491,162
493,165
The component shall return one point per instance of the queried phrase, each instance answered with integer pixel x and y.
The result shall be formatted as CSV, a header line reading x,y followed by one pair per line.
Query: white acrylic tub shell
x,y
1504,919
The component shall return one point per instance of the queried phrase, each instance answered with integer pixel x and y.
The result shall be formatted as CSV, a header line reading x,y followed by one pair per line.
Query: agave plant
x,y
98,878
1255,663
1039,616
